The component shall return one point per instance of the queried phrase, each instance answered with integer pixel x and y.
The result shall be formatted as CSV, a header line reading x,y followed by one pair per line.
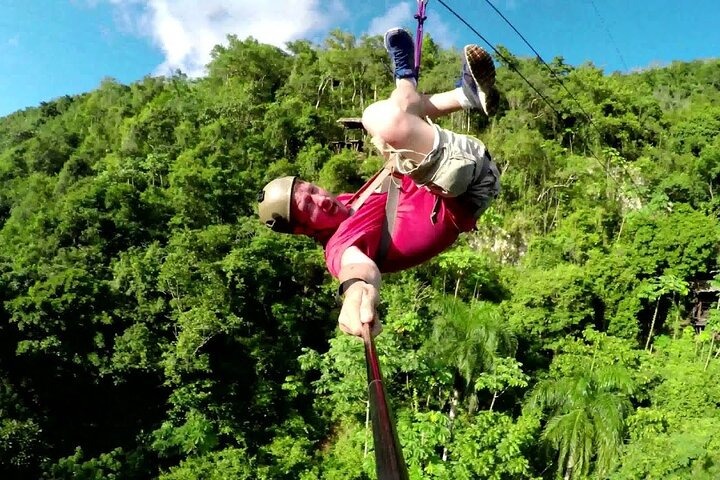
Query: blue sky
x,y
50,48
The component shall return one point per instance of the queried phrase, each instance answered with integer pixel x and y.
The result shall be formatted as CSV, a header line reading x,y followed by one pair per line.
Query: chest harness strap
x,y
382,181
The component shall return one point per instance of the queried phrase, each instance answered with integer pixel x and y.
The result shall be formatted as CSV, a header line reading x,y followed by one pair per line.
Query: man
x,y
445,182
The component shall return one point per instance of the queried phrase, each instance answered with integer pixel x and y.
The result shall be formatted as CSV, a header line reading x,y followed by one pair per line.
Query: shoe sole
x,y
482,68
389,33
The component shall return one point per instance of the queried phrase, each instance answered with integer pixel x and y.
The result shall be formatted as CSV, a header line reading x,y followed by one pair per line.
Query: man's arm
x,y
361,298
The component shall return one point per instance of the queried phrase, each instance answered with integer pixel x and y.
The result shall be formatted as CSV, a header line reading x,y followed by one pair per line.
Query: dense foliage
x,y
151,328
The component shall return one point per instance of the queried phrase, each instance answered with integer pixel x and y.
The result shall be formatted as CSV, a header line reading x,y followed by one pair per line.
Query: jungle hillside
x,y
151,327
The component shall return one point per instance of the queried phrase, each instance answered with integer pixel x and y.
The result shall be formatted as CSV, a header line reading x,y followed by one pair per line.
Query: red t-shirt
x,y
415,237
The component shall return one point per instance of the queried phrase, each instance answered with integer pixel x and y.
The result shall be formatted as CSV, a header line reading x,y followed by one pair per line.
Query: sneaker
x,y
400,46
478,79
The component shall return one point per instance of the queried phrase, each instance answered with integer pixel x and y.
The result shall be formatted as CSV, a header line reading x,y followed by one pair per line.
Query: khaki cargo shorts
x,y
460,166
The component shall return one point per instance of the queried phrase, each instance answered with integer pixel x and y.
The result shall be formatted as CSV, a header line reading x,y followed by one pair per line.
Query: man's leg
x,y
400,120
397,121
476,87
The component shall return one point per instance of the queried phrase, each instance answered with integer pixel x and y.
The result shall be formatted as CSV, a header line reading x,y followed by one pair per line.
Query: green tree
x,y
654,291
673,435
585,404
468,340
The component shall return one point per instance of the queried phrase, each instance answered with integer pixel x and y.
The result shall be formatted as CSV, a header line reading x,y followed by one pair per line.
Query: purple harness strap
x,y
420,17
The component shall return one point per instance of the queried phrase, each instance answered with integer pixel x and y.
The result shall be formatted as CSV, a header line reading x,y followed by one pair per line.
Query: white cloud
x,y
439,30
187,30
398,16
13,41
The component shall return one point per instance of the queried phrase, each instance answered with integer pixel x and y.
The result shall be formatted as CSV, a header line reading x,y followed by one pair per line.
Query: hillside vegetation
x,y
150,327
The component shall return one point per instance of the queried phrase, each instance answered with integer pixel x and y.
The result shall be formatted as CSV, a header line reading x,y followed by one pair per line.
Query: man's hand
x,y
360,306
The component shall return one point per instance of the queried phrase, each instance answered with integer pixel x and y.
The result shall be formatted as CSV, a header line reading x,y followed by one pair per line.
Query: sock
x,y
464,102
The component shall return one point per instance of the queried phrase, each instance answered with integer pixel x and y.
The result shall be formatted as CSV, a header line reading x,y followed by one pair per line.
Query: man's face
x,y
315,208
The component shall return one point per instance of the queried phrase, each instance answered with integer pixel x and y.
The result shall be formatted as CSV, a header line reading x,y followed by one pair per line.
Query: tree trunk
x,y
451,416
712,345
569,467
652,324
622,223
492,403
320,90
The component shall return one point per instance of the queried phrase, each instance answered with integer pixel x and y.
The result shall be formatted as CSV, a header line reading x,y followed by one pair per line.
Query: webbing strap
x,y
385,175
420,17
389,222
370,186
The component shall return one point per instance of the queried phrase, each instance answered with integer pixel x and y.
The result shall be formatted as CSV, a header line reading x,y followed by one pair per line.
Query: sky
x,y
51,48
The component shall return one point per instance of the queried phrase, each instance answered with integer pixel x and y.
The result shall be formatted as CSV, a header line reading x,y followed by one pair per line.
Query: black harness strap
x,y
382,181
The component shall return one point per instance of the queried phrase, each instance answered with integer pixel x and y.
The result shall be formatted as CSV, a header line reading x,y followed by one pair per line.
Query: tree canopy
x,y
150,327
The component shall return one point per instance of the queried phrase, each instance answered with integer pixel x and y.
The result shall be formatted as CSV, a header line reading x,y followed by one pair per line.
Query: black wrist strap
x,y
346,284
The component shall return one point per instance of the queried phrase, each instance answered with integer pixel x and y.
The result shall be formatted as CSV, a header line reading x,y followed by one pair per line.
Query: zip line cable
x,y
543,97
503,57
607,31
560,81
537,54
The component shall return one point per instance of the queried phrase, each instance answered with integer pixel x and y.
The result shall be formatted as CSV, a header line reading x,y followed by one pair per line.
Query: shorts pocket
x,y
453,176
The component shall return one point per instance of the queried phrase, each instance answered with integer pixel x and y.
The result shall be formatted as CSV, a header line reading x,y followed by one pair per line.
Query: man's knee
x,y
385,120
